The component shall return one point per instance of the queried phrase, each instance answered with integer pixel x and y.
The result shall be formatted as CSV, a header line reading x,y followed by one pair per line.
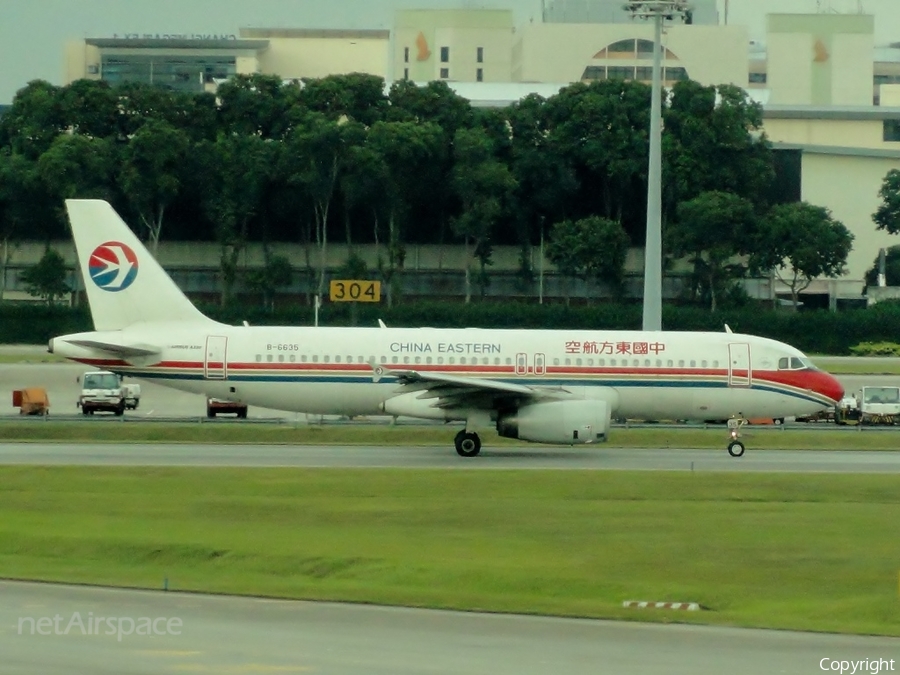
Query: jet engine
x,y
564,422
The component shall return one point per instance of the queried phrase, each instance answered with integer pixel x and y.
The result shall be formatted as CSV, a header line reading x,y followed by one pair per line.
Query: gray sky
x,y
33,32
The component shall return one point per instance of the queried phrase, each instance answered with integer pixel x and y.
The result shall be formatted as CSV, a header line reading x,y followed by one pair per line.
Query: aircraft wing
x,y
124,351
455,391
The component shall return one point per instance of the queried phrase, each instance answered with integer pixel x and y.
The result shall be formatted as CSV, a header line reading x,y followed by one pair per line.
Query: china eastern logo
x,y
113,266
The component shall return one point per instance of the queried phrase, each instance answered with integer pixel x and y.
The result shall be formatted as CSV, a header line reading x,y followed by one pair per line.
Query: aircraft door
x,y
521,364
214,364
539,364
740,373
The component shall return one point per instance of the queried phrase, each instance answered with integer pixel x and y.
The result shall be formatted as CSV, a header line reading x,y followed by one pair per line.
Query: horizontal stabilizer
x,y
124,351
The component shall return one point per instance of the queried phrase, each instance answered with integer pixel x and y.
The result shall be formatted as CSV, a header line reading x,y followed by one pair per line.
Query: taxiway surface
x,y
433,457
225,635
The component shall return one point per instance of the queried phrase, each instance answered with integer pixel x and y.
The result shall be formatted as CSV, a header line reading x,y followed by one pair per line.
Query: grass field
x,y
817,552
823,437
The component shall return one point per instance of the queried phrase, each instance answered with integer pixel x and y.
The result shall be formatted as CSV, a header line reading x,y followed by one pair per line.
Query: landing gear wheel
x,y
467,444
735,448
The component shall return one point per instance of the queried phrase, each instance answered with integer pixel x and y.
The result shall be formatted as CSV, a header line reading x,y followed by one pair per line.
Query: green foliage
x,y
590,249
276,274
887,217
891,268
801,242
876,349
713,229
47,279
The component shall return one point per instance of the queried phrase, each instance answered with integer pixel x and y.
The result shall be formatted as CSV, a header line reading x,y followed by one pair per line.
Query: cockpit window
x,y
795,363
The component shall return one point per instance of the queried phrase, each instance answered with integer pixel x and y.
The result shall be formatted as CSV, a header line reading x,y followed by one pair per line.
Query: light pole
x,y
658,10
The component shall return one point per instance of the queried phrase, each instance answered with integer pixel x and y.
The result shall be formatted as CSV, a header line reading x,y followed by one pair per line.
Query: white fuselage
x,y
353,371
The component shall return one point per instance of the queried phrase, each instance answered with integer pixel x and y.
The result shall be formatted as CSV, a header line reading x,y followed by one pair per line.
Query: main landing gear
x,y
736,447
467,443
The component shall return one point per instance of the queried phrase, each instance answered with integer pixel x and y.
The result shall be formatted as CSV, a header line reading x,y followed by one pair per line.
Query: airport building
x,y
831,98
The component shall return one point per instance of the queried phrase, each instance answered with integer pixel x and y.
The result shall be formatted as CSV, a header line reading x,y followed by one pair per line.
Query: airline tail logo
x,y
113,266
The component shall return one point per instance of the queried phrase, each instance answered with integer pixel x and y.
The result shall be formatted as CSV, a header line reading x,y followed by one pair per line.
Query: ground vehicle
x,y
214,406
871,405
102,390
132,393
31,401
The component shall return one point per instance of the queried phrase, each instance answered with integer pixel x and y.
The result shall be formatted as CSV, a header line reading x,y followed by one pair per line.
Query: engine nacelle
x,y
564,422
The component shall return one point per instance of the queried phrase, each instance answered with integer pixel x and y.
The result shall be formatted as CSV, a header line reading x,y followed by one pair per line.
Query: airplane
x,y
544,386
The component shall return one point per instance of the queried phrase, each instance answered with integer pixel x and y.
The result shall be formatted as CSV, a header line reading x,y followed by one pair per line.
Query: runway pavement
x,y
597,457
224,636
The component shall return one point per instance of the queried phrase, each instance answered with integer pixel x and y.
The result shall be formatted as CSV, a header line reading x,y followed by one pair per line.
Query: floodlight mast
x,y
658,11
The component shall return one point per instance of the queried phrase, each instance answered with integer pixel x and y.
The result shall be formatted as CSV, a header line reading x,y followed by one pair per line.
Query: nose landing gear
x,y
736,447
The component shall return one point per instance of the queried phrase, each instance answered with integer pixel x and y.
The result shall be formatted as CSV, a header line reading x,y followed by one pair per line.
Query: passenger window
x,y
269,358
405,359
427,359
670,363
462,359
395,359
681,363
326,359
612,362
258,358
590,362
577,362
292,358
636,363
715,364
703,363
337,359
451,361
555,362
508,361
281,358
485,361
659,363
384,359
497,361
418,359
693,363
303,358
315,358
568,362
440,360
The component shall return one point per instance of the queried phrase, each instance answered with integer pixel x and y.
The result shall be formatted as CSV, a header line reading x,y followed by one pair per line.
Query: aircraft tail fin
x,y
124,283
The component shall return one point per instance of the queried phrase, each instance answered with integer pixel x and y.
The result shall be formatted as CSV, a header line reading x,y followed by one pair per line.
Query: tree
x,y
314,157
887,217
592,248
277,273
237,170
150,176
801,242
358,96
483,186
601,130
34,119
412,154
46,279
891,268
713,141
713,229
256,105
78,167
